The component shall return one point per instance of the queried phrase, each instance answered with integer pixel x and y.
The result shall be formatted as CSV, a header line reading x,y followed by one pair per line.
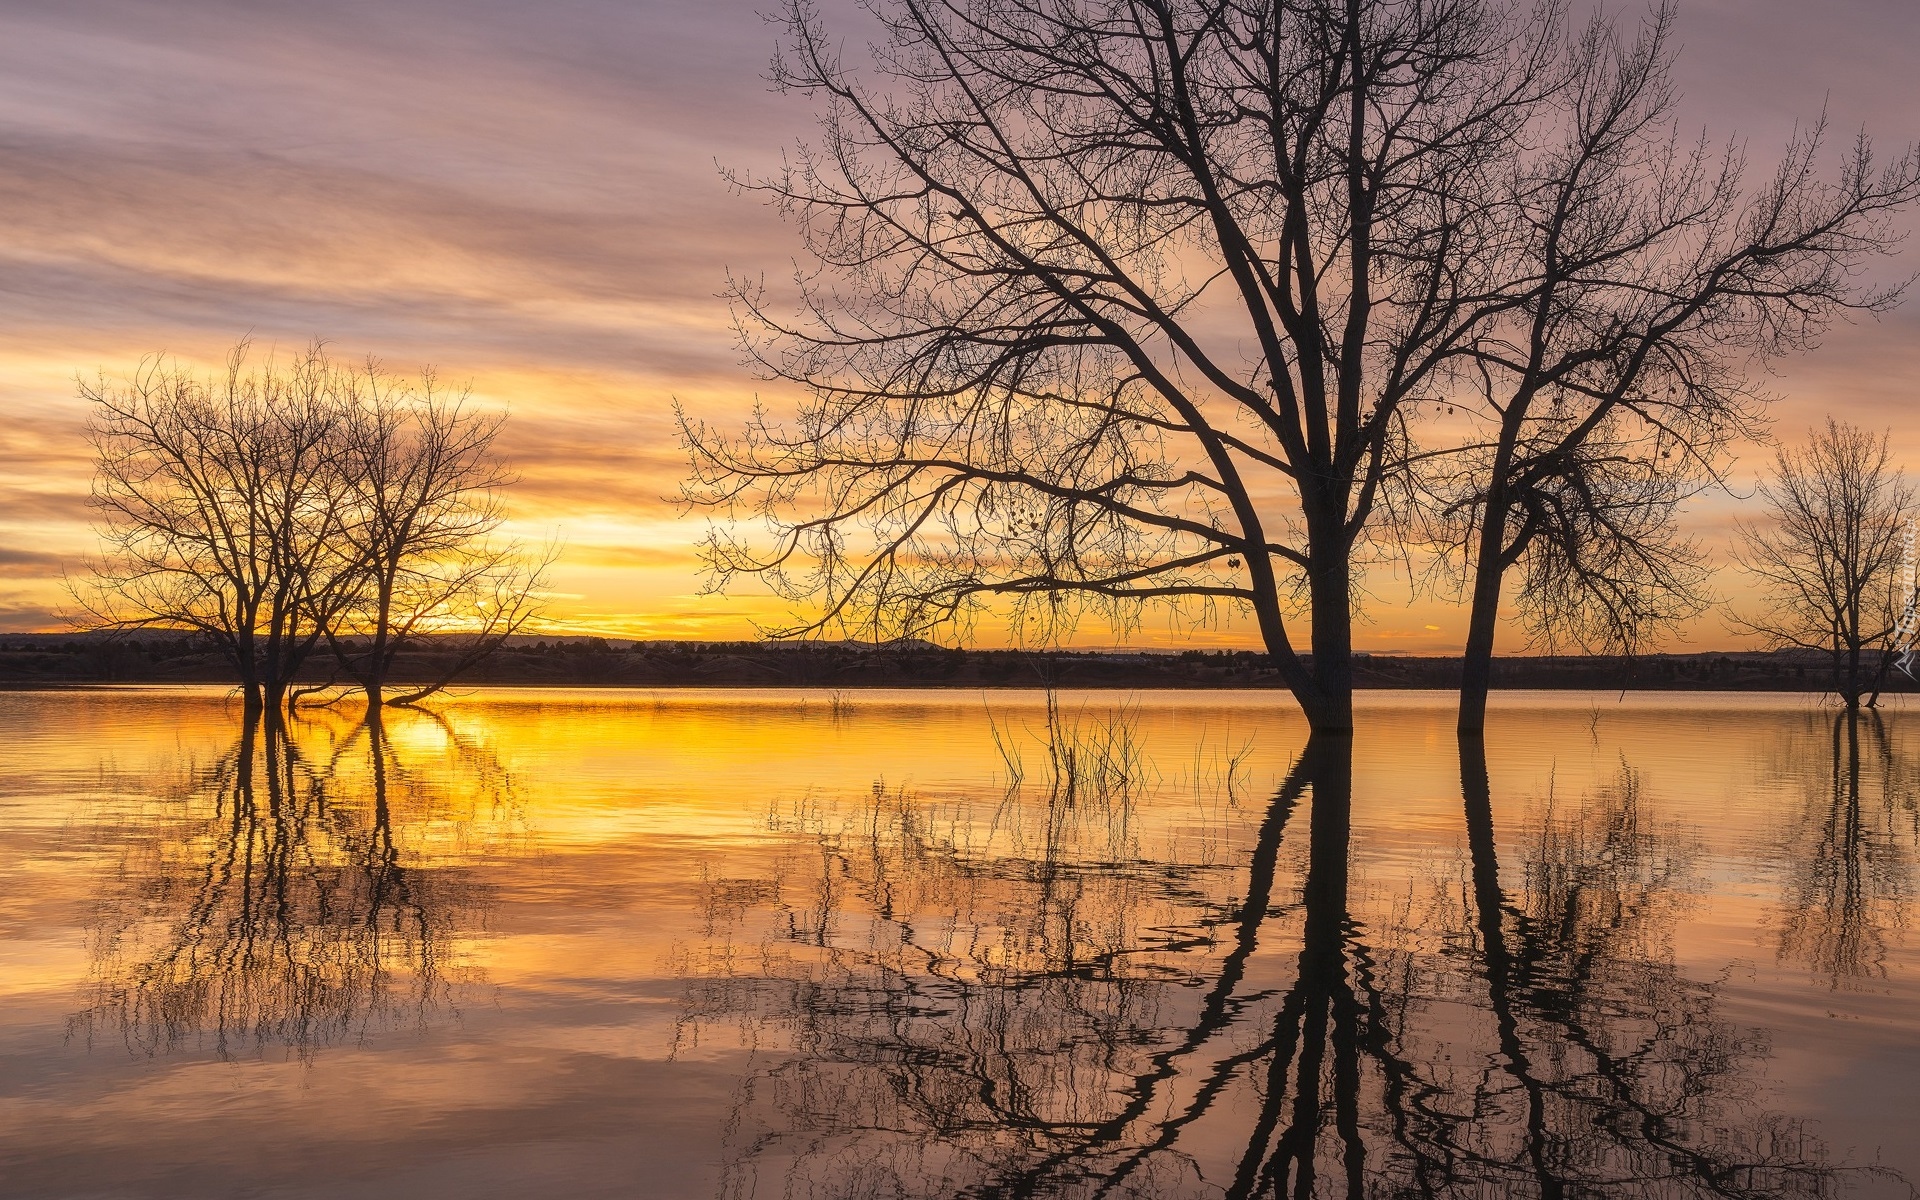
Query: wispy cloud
x,y
529,198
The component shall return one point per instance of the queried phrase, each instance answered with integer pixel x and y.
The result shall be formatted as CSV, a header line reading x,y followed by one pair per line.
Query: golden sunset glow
x,y
919,599
529,199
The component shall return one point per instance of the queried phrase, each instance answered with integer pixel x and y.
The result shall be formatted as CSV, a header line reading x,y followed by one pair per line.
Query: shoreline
x,y
54,660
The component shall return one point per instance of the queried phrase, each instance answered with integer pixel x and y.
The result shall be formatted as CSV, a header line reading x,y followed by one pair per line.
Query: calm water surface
x,y
784,944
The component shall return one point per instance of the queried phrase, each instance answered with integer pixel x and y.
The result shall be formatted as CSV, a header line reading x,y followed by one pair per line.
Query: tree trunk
x,y
240,651
1330,708
253,698
373,678
1843,677
380,648
1483,622
273,682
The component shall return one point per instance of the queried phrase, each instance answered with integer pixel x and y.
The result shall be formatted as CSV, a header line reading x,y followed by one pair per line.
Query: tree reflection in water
x,y
307,888
1848,849
954,1006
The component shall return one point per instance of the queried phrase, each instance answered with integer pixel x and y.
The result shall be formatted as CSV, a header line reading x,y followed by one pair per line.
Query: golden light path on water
x,y
733,942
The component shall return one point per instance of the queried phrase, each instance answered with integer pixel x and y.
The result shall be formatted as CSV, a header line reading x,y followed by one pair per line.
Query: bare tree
x,y
1647,278
221,510
296,502
1124,302
1825,558
424,483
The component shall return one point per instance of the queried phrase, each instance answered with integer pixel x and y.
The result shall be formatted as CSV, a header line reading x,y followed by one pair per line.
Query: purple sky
x,y
527,196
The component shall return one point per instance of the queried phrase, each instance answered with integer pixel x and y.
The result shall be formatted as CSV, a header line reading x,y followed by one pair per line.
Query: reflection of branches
x,y
970,989
297,895
1612,1067
999,1006
1851,871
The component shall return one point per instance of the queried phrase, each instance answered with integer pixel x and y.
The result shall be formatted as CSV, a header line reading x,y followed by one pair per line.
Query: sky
x,y
529,198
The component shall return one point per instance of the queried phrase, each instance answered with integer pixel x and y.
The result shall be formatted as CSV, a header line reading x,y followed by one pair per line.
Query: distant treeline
x,y
601,662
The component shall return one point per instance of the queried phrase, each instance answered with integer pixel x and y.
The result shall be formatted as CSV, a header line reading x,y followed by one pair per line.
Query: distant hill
x,y
159,657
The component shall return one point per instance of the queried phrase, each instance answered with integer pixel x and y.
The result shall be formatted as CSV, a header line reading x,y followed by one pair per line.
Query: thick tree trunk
x,y
1329,707
253,697
1845,674
273,680
242,656
373,679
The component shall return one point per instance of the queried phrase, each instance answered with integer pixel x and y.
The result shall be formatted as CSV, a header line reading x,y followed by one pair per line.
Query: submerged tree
x,y
296,501
222,510
1123,302
1137,301
1826,555
1646,279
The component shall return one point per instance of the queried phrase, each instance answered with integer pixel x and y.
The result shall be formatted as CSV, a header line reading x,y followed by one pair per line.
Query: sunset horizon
x,y
959,600
551,226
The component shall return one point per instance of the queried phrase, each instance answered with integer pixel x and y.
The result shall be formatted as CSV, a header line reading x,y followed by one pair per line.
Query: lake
x,y
739,943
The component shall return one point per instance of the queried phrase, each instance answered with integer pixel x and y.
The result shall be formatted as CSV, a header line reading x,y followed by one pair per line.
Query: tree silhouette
x,y
424,483
1616,383
287,503
1120,304
222,509
1826,552
1146,301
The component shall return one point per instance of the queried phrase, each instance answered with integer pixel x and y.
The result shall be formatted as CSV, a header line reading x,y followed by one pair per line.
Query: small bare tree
x,y
424,483
1825,557
221,509
1613,387
300,501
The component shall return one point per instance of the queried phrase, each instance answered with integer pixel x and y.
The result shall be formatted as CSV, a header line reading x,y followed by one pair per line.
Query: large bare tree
x,y
1120,301
1648,282
1135,300
221,509
1825,556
